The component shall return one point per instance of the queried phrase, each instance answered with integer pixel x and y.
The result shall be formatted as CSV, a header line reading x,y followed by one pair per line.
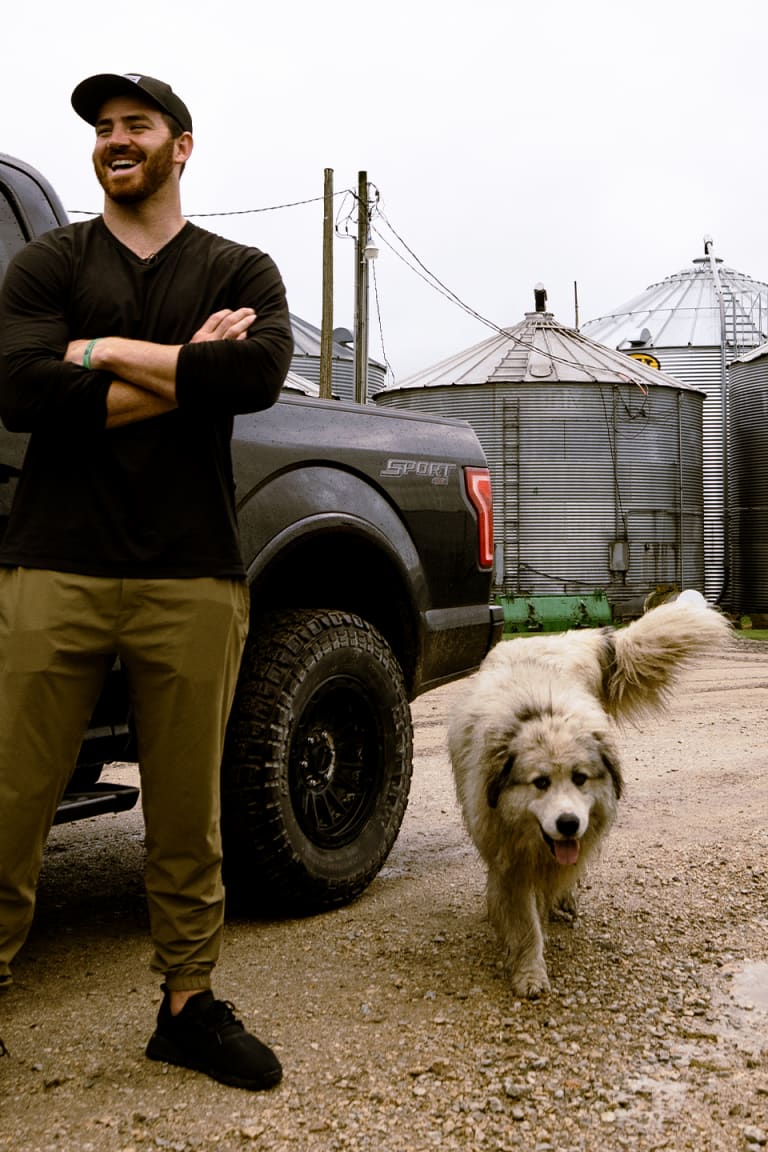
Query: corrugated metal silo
x,y
748,480
596,462
306,361
692,324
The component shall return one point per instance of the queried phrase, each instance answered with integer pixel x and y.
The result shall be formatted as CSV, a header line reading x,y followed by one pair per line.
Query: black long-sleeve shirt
x,y
155,498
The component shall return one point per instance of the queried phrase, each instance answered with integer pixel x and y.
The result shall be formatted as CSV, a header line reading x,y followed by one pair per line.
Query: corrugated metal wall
x,y
702,367
594,486
748,479
342,375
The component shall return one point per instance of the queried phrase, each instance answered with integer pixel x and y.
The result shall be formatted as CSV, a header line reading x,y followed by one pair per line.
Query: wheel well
x,y
344,572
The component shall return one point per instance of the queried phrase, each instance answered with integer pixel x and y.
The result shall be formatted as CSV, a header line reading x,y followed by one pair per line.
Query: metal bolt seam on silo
x,y
596,464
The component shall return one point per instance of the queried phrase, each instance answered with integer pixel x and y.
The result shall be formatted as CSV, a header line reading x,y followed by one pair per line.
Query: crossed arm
x,y
144,383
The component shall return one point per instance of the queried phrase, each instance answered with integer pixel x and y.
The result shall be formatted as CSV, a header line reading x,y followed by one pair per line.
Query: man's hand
x,y
228,324
75,351
144,374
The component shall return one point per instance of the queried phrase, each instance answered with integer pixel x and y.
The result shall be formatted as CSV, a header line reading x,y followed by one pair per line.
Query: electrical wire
x,y
235,212
437,284
444,289
269,208
424,273
557,579
387,364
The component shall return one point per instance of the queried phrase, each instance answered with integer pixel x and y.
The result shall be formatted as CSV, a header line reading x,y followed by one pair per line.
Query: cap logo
x,y
130,76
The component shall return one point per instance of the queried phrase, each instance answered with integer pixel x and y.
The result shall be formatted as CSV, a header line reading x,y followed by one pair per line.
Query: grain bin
x,y
306,360
693,324
596,463
748,480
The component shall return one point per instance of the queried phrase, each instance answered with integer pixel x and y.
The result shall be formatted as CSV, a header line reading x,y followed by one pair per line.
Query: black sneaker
x,y
208,1037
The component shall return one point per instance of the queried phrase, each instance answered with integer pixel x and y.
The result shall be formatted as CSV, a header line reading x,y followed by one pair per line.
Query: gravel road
x,y
393,1018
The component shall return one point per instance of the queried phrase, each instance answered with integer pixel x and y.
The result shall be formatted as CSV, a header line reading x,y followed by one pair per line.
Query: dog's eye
x,y
579,779
541,782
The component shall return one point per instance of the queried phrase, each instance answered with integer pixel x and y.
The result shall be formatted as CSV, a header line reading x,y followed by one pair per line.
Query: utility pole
x,y
361,291
326,322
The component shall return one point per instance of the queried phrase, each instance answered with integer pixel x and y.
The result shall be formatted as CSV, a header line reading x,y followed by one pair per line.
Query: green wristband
x,y
87,353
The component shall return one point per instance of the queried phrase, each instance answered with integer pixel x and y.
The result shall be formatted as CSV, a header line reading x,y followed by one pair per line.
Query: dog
x,y
536,763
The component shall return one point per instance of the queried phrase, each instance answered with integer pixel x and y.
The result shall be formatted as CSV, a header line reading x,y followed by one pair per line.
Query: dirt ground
x,y
393,1018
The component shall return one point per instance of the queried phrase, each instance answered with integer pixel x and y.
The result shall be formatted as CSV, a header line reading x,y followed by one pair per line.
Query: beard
x,y
137,186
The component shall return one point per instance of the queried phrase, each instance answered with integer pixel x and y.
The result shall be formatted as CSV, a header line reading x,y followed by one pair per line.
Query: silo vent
x,y
637,339
540,297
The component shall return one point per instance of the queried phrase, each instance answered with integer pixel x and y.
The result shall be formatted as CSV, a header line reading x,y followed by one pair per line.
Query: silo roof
x,y
540,350
683,311
295,383
754,354
306,342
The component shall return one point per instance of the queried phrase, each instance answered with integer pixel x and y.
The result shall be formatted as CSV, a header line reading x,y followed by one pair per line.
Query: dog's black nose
x,y
567,824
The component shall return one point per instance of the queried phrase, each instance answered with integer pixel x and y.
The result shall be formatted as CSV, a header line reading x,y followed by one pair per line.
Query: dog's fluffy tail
x,y
648,656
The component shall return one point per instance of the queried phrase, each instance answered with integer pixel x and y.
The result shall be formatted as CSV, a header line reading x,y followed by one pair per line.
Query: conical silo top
x,y
539,350
693,308
307,341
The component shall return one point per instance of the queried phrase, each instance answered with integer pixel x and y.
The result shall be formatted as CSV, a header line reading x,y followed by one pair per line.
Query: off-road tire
x,y
317,764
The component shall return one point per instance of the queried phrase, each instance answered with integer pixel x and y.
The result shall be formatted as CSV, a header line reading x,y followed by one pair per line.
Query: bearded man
x,y
129,343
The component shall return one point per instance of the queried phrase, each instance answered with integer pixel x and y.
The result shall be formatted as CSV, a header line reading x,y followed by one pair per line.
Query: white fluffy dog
x,y
536,763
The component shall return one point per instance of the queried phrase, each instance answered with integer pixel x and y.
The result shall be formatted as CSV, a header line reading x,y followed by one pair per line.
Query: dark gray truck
x,y
367,536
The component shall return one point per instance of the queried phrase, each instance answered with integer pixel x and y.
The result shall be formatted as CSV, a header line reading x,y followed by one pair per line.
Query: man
x,y
129,342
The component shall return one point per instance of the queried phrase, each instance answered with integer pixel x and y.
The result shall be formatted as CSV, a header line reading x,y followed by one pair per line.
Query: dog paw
x,y
566,910
530,985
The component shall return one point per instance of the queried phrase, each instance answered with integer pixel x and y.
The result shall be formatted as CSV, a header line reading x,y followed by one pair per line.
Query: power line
x,y
233,212
437,285
270,208
378,317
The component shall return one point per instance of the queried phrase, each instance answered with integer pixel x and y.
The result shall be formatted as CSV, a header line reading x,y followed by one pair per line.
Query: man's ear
x,y
184,145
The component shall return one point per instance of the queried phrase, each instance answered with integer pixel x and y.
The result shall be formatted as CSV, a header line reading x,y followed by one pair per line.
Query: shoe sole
x,y
165,1052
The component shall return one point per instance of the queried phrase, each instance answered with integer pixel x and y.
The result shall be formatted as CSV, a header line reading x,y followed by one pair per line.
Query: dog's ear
x,y
610,758
607,656
498,780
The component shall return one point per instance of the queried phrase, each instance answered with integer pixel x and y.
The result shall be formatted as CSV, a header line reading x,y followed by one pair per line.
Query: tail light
x,y
478,482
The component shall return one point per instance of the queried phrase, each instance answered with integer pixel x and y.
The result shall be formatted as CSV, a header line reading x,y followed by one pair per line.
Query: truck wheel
x,y
317,764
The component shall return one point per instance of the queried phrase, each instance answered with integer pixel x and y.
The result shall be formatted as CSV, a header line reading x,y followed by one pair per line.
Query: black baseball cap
x,y
91,94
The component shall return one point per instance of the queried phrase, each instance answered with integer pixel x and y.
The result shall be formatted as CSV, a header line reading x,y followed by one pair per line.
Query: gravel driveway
x,y
393,1017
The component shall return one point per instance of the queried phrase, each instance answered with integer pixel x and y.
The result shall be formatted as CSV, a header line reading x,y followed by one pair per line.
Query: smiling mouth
x,y
564,851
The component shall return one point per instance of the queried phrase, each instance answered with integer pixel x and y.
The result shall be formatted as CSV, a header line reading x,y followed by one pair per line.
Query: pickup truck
x,y
367,536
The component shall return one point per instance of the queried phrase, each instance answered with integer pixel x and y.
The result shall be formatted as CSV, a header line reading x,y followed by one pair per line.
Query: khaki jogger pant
x,y
180,642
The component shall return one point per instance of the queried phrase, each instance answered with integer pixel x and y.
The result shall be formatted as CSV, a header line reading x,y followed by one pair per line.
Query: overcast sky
x,y
511,142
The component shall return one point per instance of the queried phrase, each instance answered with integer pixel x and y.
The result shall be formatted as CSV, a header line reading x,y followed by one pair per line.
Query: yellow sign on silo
x,y
645,358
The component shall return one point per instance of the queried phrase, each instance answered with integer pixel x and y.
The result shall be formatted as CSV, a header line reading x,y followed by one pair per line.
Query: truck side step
x,y
97,800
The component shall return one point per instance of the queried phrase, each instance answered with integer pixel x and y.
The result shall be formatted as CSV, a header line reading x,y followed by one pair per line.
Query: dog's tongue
x,y
566,851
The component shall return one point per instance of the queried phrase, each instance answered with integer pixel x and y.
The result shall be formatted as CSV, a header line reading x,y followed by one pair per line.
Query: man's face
x,y
135,154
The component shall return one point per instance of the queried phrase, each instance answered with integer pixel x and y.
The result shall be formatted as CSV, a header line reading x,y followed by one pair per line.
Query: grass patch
x,y
746,633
